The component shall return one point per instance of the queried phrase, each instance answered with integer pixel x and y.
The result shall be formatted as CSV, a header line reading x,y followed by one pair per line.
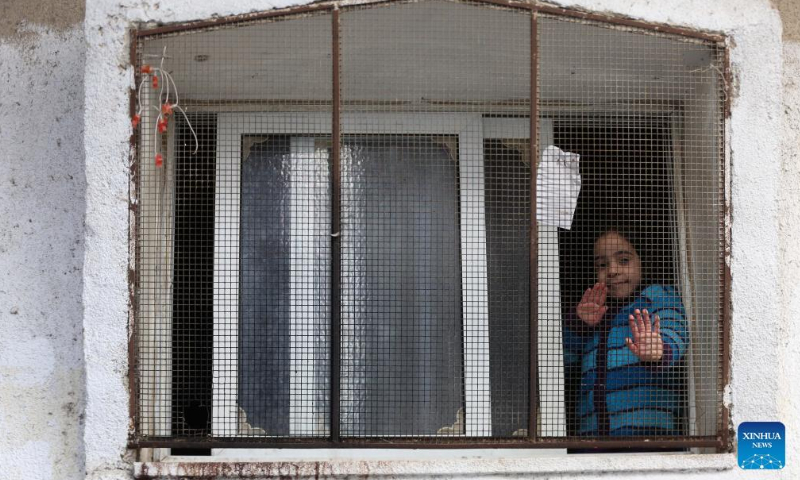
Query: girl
x,y
629,337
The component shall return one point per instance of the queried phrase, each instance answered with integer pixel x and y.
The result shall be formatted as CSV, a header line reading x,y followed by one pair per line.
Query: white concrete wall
x,y
42,208
754,148
59,277
789,228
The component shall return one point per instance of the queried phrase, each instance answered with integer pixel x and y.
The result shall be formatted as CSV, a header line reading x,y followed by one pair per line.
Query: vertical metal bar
x,y
725,272
336,257
133,255
533,411
724,430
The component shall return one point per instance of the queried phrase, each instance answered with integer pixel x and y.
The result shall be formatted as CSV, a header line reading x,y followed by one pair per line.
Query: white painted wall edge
x,y
753,147
454,466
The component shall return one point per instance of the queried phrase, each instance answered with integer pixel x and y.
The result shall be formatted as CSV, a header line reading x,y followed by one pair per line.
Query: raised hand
x,y
592,306
647,343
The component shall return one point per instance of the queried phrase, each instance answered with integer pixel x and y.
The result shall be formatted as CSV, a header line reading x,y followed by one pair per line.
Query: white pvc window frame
x,y
471,130
230,128
550,362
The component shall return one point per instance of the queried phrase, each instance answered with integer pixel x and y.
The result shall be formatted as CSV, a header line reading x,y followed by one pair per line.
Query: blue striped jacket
x,y
619,394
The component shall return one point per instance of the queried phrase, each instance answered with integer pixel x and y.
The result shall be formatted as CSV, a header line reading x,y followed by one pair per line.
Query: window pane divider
x,y
336,244
533,398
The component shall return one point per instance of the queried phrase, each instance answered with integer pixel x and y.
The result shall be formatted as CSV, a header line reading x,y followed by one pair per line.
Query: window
x,y
334,244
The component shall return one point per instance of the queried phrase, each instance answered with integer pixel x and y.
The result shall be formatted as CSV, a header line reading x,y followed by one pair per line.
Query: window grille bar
x,y
725,271
725,338
536,436
627,22
336,245
133,245
234,19
533,412
649,443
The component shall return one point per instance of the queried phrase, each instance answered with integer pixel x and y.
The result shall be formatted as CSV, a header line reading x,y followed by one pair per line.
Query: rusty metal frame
x,y
628,22
724,429
533,364
234,20
461,443
535,5
336,244
133,254
721,442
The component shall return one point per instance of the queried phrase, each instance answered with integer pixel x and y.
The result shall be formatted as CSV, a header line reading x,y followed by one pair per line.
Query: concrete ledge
x,y
445,467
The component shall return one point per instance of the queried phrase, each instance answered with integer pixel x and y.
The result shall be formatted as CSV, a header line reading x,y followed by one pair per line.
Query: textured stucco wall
x,y
789,187
42,207
754,149
59,275
18,16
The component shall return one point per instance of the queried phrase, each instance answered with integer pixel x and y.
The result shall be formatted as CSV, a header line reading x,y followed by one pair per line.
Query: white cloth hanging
x,y
558,183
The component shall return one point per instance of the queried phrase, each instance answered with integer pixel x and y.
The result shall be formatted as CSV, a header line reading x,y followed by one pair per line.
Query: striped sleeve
x,y
665,302
572,339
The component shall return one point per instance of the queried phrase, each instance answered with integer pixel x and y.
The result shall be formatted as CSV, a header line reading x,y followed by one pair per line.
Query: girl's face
x,y
617,264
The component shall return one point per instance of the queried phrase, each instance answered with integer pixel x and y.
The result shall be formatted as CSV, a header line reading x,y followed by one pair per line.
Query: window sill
x,y
450,463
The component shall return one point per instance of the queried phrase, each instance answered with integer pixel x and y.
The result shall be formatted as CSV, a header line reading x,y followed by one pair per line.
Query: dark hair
x,y
650,244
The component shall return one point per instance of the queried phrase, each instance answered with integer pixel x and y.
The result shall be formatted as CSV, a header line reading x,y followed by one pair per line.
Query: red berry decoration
x,y
162,126
135,120
166,109
155,81
159,160
147,69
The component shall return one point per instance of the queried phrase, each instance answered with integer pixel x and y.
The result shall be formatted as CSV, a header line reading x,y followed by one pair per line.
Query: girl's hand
x,y
647,343
592,307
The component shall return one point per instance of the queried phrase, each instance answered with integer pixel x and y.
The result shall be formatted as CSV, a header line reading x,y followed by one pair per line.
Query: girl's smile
x,y
617,265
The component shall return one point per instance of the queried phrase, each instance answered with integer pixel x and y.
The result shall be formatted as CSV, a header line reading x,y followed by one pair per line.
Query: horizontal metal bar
x,y
250,17
513,4
587,443
627,22
233,19
509,4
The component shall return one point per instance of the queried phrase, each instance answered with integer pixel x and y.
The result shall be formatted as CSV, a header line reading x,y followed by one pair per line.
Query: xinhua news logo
x,y
762,445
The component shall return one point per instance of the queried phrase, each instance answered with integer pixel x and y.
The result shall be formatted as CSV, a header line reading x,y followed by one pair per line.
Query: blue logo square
x,y
762,445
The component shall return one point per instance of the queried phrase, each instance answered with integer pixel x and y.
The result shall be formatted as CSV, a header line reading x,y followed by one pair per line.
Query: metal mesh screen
x,y
417,330
335,239
638,122
236,231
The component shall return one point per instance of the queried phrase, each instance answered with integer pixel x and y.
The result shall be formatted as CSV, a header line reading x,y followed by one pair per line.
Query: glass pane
x,y
284,286
412,70
401,295
508,173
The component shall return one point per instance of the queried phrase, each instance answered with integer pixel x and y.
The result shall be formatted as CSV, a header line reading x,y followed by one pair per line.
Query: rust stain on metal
x,y
712,441
509,4
133,215
725,429
235,19
727,78
329,6
629,22
132,356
